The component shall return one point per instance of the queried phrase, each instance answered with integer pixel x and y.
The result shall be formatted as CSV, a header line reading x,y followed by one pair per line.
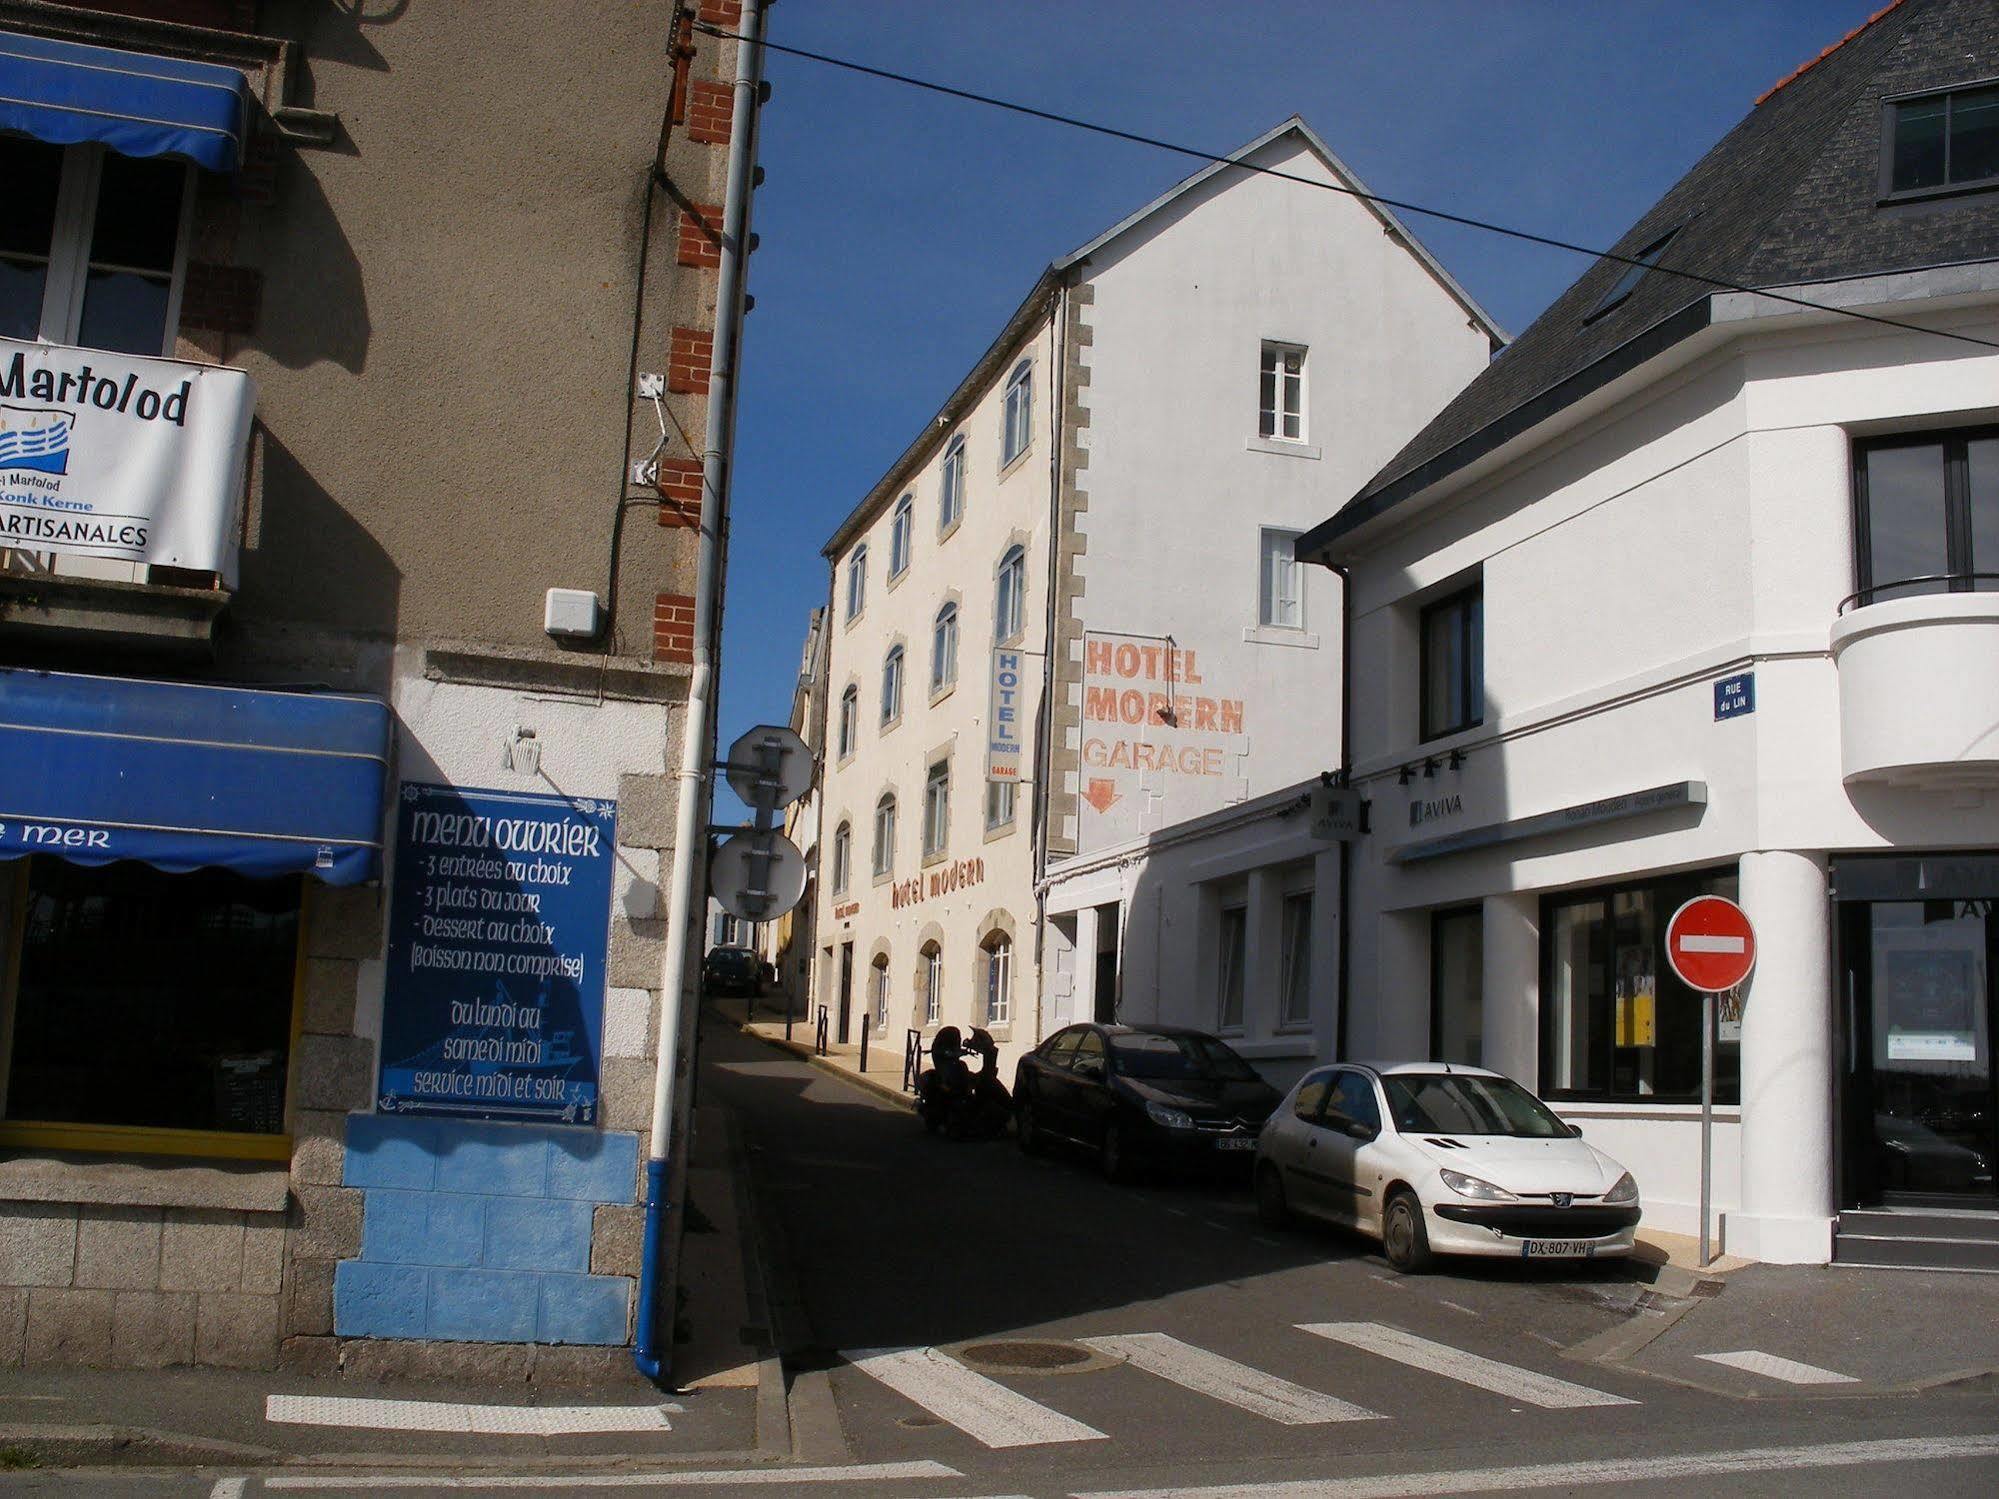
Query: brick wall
x,y
673,628
221,298
687,361
701,235
722,12
710,110
679,485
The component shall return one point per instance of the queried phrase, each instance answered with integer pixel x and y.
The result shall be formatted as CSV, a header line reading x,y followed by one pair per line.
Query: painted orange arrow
x,y
1101,794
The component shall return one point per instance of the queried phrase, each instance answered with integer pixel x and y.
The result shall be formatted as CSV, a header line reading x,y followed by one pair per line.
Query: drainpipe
x,y
1346,769
683,908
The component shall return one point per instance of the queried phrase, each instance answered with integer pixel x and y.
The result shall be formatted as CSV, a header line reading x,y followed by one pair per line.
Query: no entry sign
x,y
1710,944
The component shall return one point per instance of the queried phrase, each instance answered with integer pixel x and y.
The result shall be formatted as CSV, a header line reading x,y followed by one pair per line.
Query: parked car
x,y
1435,1158
1140,1095
733,971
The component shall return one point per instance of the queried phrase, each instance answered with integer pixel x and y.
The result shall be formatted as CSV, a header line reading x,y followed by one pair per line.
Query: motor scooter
x,y
954,1099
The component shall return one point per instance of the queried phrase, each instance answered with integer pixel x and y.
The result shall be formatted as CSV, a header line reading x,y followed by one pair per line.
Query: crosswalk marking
x,y
1754,1361
486,1420
1467,1368
983,1409
1226,1380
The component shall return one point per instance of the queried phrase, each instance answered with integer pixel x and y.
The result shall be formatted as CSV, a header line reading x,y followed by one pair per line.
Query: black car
x,y
732,970
1141,1095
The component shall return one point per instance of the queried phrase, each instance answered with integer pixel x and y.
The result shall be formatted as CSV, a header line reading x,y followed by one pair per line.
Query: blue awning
x,y
185,776
133,102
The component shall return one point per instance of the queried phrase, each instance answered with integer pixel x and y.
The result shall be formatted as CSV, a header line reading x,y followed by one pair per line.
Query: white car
x,y
1431,1157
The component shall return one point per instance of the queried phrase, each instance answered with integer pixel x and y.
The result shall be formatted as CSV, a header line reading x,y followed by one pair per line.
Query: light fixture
x,y
1457,758
1429,767
1405,775
521,753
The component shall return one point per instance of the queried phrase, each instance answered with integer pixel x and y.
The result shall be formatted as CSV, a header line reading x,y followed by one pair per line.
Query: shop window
x,y
1233,936
151,1011
1294,979
1926,514
999,979
1454,663
1457,986
1280,393
1615,1023
92,246
1942,142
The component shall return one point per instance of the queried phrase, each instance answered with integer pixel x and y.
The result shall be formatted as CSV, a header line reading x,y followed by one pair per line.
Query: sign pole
x,y
1707,1120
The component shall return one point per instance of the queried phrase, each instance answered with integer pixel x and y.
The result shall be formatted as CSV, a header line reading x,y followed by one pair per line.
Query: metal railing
x,y
819,1034
1925,583
912,1059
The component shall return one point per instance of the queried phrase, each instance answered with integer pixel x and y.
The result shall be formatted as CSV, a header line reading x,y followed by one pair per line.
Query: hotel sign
x,y
113,455
1003,719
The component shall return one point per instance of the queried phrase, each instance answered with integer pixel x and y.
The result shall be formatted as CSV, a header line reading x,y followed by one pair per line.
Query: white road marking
x,y
1459,1306
484,1420
1224,1379
775,1473
1467,1368
984,1409
1695,943
1588,1474
1787,1369
228,1488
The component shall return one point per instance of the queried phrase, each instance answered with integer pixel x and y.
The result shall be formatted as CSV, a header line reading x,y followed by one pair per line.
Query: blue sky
x,y
899,228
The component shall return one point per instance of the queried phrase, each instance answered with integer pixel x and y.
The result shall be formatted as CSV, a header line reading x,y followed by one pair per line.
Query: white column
x,y
1399,1025
1083,982
1787,1065
1512,987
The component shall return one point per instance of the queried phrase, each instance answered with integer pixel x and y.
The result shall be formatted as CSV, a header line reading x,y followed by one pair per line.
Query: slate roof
x,y
1790,195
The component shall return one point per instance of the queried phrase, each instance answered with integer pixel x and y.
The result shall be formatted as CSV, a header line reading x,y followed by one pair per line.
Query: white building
x,y
1633,619
1070,615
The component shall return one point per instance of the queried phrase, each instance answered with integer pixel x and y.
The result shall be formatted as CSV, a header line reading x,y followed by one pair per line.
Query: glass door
x,y
1922,1107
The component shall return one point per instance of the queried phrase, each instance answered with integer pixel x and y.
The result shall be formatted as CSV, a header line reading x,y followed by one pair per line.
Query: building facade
x,y
1686,596
1069,616
328,1013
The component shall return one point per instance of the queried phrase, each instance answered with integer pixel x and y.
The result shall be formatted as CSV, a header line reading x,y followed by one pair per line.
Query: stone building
x,y
332,856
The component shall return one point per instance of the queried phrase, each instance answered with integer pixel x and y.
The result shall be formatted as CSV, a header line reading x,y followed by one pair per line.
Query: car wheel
x,y
1026,1133
1111,1154
1403,1237
1271,1208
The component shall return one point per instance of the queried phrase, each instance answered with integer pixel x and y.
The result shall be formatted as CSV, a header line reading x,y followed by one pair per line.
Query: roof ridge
x,y
1811,62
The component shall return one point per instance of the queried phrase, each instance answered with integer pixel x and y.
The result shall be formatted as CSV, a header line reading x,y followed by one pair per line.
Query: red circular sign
x,y
1710,943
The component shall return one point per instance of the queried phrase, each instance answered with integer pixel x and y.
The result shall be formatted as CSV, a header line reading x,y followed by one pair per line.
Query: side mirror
x,y
1576,1130
1090,1068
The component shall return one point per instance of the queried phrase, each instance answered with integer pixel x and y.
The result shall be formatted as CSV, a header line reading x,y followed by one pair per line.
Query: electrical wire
x,y
1443,215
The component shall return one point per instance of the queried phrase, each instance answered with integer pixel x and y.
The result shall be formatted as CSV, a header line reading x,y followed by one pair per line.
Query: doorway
x,y
846,988
1104,991
1921,1115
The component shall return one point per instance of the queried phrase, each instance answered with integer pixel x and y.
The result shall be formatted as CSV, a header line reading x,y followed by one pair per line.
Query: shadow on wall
x,y
339,32
319,312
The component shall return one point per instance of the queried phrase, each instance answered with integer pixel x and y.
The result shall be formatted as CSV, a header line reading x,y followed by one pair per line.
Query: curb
x,y
60,1446
804,1052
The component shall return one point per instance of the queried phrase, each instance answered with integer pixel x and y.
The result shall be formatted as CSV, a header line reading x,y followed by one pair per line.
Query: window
x,y
1010,596
1229,970
1016,424
933,983
898,537
878,992
1000,799
937,808
951,486
152,1002
1294,977
843,847
944,648
1457,985
92,246
1312,1095
857,581
892,685
1626,284
1281,582
1615,1023
1352,1100
1943,141
1926,513
999,979
885,834
1280,393
850,720
1454,663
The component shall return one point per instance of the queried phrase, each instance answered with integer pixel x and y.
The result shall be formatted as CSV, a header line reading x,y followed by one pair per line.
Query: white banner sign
x,y
1003,720
119,456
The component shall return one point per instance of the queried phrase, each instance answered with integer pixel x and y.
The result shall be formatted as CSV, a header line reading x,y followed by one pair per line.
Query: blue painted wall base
x,y
478,1232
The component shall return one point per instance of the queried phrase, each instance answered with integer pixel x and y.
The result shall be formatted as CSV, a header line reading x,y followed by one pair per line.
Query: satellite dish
x,y
757,876
769,767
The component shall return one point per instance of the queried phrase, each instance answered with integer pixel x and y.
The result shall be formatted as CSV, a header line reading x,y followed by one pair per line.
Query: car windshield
x,y
1182,1055
1452,1104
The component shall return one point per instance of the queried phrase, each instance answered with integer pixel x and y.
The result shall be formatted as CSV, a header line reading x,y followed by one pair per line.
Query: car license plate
x,y
1557,1249
1239,1142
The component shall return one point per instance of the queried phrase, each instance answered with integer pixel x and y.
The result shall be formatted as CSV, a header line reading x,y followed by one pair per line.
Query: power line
x,y
1465,220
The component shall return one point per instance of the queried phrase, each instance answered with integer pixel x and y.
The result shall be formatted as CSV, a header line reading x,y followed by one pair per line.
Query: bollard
x,y
865,1028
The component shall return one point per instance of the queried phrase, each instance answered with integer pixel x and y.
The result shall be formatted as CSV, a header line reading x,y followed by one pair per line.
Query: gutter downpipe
x,y
691,805
1346,771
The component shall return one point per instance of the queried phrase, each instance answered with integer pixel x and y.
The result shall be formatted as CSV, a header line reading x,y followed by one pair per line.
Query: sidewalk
x,y
884,1073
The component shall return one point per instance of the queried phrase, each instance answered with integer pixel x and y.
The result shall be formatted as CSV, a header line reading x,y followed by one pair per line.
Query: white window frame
x,y
951,485
843,857
1002,799
999,979
857,582
1231,966
1017,413
71,231
901,531
933,984
1294,959
1280,580
937,808
892,675
878,983
944,647
1284,404
884,851
1010,595
850,721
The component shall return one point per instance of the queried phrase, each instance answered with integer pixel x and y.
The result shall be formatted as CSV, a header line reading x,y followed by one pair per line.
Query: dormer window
x,y
1942,142
1633,274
